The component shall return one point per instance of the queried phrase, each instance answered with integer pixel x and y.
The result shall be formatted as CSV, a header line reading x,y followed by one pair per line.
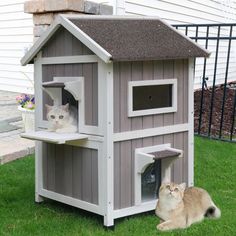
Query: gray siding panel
x,y
137,74
148,75
125,174
86,175
77,173
124,154
127,71
168,74
185,94
89,71
68,174
94,185
71,171
64,43
59,169
116,81
158,121
178,167
51,167
125,76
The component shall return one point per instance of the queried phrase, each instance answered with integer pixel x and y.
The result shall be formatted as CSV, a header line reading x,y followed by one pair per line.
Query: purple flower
x,y
33,100
26,101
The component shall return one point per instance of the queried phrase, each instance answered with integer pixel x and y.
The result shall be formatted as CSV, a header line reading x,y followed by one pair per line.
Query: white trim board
x,y
38,170
143,133
109,147
191,122
144,207
53,137
71,201
69,59
143,83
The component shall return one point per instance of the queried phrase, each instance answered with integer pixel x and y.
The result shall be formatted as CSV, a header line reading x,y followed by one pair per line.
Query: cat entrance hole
x,y
151,181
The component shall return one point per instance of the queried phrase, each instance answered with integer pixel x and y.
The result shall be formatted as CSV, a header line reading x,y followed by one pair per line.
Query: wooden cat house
x,y
132,81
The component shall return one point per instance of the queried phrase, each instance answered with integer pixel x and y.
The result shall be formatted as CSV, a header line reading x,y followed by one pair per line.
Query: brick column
x,y
44,11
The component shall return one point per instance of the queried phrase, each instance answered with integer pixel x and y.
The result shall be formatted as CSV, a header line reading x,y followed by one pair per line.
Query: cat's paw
x,y
163,227
51,130
60,131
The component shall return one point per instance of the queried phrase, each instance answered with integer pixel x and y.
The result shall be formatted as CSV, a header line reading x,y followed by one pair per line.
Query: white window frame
x,y
173,108
78,93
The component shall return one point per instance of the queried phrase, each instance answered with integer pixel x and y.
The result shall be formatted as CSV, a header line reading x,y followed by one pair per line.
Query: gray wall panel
x,y
137,74
124,165
125,76
64,43
116,84
77,173
185,92
71,171
127,71
68,172
51,167
168,71
125,174
94,186
86,175
59,169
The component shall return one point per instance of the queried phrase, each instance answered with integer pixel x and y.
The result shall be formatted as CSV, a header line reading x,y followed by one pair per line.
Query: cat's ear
x,y
65,107
182,186
48,107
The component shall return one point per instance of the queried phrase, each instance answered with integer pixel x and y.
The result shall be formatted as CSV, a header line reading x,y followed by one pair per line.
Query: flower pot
x,y
28,118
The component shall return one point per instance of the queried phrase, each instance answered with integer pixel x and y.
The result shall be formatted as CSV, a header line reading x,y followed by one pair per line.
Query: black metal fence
x,y
215,94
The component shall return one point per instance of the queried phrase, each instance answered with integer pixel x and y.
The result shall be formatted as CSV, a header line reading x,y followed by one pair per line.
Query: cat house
x,y
131,80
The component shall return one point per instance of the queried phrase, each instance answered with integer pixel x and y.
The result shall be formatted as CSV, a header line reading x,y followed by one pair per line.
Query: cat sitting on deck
x,y
62,119
179,207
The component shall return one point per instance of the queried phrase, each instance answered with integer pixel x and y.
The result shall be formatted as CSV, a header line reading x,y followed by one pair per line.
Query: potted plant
x,y
27,106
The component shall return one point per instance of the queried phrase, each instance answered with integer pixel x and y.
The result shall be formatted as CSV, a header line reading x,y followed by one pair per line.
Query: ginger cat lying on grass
x,y
179,207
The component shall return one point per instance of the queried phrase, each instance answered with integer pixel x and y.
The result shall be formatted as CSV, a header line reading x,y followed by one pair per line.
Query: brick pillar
x,y
44,11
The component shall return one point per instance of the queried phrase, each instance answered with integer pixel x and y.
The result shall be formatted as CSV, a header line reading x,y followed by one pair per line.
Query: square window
x,y
152,97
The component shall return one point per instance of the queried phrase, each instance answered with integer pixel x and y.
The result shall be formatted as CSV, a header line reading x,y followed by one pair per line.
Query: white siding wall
x,y
16,34
192,12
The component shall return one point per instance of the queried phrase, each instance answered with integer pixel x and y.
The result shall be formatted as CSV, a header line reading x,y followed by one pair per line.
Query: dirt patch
x,y
216,112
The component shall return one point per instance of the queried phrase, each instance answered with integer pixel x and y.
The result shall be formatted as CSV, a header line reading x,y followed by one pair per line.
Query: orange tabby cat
x,y
179,207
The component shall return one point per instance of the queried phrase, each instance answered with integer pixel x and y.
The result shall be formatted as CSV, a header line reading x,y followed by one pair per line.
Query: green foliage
x,y
215,170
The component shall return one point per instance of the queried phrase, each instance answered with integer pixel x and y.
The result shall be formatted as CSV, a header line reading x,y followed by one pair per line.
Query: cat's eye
x,y
52,116
61,117
168,186
176,189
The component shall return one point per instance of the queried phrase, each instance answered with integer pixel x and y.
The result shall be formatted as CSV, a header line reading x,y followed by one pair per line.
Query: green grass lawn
x,y
215,170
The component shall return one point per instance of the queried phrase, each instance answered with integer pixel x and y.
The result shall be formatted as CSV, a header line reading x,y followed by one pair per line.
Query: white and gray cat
x,y
179,207
62,119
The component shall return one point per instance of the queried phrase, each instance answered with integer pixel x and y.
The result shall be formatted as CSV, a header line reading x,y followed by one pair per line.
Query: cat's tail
x,y
213,212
